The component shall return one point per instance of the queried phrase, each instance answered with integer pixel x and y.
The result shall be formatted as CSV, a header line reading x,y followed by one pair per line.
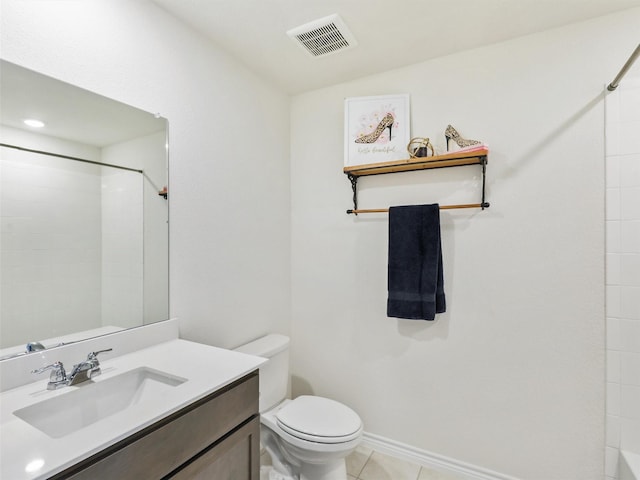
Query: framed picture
x,y
376,129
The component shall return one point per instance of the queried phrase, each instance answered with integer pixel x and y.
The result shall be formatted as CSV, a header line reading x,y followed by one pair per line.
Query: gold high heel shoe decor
x,y
451,133
376,129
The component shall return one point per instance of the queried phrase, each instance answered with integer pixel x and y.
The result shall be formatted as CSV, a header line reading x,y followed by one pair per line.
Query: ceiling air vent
x,y
323,37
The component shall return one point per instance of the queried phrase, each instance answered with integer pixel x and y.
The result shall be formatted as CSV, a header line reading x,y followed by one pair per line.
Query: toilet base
x,y
269,473
289,467
336,470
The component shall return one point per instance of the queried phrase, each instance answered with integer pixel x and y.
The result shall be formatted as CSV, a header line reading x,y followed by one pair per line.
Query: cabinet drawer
x,y
163,447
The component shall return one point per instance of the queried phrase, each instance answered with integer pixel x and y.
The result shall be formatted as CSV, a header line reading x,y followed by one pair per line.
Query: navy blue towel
x,y
416,282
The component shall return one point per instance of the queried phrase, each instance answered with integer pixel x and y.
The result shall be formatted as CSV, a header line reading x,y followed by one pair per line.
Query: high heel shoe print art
x,y
386,122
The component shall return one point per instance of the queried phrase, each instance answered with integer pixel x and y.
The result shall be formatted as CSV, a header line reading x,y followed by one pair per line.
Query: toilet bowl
x,y
308,437
313,434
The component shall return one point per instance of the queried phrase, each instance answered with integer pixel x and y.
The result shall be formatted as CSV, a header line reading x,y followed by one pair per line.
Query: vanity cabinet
x,y
216,437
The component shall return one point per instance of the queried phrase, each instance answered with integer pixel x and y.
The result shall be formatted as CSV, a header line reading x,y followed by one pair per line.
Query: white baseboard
x,y
429,459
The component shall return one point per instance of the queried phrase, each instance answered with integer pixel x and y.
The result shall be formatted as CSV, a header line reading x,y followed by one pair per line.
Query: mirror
x,y
83,214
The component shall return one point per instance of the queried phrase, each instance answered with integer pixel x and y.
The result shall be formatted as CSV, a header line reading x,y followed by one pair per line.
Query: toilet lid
x,y
319,420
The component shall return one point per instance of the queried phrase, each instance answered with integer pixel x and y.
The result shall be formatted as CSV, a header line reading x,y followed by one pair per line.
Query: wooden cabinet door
x,y
236,457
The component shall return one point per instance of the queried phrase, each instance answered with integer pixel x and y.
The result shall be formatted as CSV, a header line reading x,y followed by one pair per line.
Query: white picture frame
x,y
376,129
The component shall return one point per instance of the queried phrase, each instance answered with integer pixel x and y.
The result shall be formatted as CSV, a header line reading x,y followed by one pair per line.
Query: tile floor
x,y
367,464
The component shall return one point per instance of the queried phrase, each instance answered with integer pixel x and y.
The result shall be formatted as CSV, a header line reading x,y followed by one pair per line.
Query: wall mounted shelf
x,y
456,159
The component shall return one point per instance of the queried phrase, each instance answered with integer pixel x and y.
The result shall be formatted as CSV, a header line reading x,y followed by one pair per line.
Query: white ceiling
x,y
390,33
69,112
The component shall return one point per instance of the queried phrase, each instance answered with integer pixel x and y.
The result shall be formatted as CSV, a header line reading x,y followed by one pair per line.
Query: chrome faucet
x,y
34,347
81,372
86,370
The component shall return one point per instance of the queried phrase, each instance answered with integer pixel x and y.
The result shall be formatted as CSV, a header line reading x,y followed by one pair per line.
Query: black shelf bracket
x,y
482,161
354,186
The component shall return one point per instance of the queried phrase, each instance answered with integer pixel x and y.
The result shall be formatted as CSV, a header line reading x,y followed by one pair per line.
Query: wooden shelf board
x,y
439,161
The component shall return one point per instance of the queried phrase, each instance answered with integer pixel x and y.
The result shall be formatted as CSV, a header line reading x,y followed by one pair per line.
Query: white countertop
x,y
206,369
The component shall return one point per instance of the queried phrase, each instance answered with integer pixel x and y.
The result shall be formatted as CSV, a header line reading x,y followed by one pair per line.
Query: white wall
x,y
511,378
148,286
623,269
229,150
156,228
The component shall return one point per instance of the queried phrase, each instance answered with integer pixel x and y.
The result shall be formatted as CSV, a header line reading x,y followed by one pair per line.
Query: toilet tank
x,y
274,374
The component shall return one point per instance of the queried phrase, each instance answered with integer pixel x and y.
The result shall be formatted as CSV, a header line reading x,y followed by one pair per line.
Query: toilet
x,y
308,437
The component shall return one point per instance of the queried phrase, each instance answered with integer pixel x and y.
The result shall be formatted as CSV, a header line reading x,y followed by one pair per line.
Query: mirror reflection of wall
x,y
84,247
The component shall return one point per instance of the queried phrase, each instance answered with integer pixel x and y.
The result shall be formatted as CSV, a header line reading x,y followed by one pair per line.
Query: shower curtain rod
x,y
42,152
613,85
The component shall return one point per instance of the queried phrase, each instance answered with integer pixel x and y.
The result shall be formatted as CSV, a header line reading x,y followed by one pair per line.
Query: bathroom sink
x,y
92,401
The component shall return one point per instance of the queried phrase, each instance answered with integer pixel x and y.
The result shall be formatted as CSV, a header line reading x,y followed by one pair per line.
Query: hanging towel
x,y
415,279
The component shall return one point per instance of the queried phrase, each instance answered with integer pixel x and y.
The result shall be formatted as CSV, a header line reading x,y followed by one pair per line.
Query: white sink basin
x,y
94,401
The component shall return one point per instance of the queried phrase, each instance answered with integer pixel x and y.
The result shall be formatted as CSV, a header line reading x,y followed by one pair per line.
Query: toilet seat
x,y
319,420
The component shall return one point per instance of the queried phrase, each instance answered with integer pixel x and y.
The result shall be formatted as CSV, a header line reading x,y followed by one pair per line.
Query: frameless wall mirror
x,y
83,213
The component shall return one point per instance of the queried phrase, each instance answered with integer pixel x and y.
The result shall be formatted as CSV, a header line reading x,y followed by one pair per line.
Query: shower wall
x,y
50,240
122,248
71,246
623,271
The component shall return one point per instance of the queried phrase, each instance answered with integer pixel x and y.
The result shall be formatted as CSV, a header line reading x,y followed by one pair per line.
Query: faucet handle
x,y
94,355
58,376
92,358
58,372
